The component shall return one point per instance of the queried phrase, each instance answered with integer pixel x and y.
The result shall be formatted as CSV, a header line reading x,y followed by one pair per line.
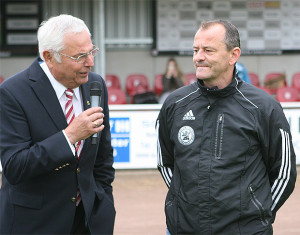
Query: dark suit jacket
x,y
40,173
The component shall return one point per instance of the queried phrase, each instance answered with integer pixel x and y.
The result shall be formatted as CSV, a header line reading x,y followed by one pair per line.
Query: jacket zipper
x,y
219,136
258,205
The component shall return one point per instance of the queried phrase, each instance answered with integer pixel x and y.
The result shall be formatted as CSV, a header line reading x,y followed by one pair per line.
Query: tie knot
x,y
69,93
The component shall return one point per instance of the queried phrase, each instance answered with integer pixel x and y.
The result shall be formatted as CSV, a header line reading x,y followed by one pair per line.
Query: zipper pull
x,y
220,119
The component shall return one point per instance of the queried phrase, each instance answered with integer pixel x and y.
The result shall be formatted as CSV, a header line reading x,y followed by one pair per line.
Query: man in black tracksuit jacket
x,y
224,151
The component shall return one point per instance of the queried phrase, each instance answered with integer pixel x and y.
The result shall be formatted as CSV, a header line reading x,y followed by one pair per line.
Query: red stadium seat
x,y
287,94
274,81
116,96
112,81
254,79
158,86
136,83
296,81
190,78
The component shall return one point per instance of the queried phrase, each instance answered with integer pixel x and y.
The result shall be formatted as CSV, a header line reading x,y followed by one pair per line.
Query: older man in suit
x,y
54,179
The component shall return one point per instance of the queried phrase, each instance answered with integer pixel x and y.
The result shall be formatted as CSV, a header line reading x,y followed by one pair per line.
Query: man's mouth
x,y
84,73
201,65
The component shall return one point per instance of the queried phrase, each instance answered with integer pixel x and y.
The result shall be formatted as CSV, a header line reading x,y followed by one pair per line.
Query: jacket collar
x,y
215,91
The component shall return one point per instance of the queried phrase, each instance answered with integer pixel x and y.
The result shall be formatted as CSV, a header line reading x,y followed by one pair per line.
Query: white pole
x,y
99,35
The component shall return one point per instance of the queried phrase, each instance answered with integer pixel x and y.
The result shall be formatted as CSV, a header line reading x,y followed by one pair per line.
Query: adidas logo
x,y
189,116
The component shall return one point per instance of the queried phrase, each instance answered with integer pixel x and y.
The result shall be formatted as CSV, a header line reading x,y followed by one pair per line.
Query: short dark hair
x,y
232,36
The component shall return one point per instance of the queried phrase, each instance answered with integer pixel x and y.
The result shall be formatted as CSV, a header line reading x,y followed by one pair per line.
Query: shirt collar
x,y
58,87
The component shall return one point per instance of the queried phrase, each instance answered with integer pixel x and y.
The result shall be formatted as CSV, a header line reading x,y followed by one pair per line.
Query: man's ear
x,y
235,55
48,58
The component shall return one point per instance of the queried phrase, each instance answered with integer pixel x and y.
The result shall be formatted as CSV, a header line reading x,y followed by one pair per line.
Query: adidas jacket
x,y
227,158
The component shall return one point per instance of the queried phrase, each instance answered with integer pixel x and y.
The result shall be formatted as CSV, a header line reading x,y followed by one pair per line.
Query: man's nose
x,y
199,56
89,61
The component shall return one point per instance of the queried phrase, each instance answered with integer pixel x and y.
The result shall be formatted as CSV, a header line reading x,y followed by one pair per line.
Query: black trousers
x,y
79,224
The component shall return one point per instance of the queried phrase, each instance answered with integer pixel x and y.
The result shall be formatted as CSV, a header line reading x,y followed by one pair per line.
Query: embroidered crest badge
x,y
186,135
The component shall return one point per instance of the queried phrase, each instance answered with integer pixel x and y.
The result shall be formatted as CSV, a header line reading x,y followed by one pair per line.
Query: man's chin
x,y
202,76
82,80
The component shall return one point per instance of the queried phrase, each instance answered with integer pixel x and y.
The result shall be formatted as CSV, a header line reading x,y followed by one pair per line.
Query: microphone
x,y
95,93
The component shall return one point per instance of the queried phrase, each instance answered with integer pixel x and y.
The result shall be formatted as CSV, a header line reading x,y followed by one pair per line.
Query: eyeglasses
x,y
82,58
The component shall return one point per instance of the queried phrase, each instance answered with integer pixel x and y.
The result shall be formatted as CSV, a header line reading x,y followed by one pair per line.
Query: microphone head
x,y
95,89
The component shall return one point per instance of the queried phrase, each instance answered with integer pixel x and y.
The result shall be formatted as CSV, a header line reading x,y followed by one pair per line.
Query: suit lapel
x,y
85,96
46,94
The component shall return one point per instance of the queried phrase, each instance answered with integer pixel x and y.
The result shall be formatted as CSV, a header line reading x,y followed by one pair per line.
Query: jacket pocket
x,y
23,199
219,136
261,210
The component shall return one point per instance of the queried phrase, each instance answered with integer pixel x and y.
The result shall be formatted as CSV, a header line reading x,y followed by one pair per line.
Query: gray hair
x,y
232,37
51,33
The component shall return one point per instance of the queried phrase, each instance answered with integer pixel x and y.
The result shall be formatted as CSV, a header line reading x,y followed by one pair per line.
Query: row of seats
x,y
275,84
136,84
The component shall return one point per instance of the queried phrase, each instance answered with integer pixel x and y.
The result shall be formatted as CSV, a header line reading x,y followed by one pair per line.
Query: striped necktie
x,y
70,115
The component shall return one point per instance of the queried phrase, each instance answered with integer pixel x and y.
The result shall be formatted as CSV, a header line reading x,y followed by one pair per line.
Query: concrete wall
x,y
125,62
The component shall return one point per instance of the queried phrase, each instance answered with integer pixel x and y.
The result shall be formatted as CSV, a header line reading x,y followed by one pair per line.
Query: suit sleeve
x,y
103,171
165,148
21,158
279,157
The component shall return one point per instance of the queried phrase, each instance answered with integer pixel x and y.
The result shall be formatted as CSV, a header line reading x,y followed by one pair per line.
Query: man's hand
x,y
86,124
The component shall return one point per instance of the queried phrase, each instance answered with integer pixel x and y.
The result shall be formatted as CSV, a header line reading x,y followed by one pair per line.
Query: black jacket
x,y
226,156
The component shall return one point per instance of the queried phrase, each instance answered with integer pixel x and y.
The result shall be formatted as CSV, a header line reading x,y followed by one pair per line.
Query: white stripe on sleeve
x,y
285,169
166,172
